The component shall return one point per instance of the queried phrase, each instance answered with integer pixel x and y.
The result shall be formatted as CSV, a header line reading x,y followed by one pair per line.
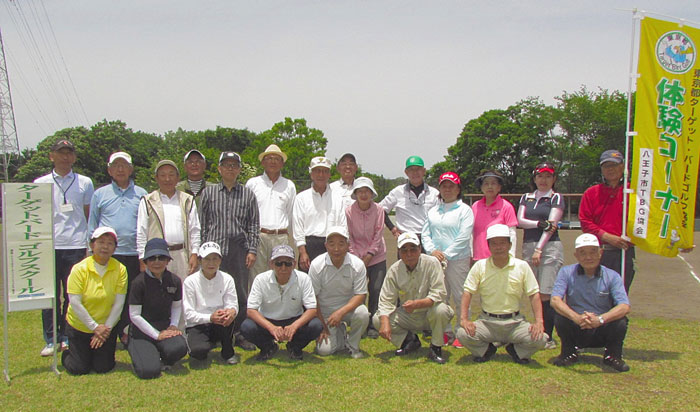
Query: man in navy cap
x,y
600,213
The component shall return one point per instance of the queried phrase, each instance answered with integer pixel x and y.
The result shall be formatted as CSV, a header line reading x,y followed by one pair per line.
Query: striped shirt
x,y
227,214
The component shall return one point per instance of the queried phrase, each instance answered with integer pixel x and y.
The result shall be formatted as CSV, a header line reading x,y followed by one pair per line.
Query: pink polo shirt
x,y
366,230
500,211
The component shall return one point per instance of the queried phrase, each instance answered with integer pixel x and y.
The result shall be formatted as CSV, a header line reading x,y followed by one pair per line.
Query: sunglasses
x,y
279,264
161,258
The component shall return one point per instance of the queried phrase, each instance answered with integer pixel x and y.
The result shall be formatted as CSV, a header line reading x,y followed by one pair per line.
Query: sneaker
x,y
48,350
410,344
427,334
616,363
356,354
267,354
295,354
567,360
457,344
64,346
551,344
234,360
243,343
448,338
514,354
372,333
490,351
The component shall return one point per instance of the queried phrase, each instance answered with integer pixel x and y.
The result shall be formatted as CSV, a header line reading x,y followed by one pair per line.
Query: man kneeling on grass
x,y
281,308
594,313
501,280
413,299
210,304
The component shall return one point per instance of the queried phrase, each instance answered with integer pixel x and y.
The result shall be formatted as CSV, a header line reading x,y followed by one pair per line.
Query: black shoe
x,y
565,360
266,354
435,355
410,344
513,354
427,334
294,353
244,343
487,355
616,363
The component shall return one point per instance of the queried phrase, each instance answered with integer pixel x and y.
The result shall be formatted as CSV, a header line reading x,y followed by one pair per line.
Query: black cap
x,y
60,144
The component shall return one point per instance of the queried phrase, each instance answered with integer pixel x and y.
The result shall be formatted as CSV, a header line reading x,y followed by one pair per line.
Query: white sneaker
x,y
233,360
551,344
48,350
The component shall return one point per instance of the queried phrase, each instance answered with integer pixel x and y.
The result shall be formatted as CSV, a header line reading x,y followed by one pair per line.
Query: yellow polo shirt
x,y
97,292
501,289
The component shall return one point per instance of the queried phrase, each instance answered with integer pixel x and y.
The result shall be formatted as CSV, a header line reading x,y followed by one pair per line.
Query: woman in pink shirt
x,y
490,210
365,220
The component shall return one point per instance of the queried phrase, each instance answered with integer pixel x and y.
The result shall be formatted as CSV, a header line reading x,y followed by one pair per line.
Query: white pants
x,y
338,339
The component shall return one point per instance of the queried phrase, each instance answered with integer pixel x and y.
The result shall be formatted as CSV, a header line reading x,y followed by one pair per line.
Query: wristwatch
x,y
601,320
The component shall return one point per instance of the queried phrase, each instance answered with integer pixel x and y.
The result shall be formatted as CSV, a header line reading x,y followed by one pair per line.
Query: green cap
x,y
414,161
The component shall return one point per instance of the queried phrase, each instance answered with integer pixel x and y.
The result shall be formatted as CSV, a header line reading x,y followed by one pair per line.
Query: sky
x,y
382,79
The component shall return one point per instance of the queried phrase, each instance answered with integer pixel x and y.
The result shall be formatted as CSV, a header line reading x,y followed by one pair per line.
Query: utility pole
x,y
9,143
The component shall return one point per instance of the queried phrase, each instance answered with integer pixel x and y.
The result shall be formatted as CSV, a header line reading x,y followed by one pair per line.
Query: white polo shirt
x,y
275,201
279,302
201,297
335,287
411,211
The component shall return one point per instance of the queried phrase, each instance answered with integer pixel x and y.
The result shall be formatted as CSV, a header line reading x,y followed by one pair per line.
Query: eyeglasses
x,y
161,258
286,263
229,165
194,161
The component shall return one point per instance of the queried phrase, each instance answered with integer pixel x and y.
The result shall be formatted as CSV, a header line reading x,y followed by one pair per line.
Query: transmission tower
x,y
9,143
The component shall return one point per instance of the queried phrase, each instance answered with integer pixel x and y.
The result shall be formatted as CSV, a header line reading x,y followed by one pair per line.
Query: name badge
x,y
66,208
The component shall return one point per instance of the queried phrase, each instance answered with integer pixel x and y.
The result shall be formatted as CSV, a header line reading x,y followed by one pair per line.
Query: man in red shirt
x,y
600,213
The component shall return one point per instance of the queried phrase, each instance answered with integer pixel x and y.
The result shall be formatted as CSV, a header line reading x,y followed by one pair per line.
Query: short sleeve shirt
x,y
280,302
597,294
499,212
334,287
501,289
538,209
156,297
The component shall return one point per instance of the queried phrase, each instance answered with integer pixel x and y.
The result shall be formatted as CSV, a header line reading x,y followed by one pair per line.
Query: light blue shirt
x,y
117,208
448,229
583,293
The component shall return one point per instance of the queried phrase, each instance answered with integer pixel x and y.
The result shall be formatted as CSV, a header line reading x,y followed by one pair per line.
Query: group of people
x,y
196,263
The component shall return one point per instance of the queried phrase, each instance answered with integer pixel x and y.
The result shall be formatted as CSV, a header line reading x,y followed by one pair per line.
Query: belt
x,y
273,232
176,247
506,316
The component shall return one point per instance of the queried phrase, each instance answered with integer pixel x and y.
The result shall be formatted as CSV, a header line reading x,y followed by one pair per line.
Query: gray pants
x,y
265,246
436,318
514,330
357,320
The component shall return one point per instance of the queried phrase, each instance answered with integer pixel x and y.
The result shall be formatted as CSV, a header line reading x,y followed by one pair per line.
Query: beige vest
x,y
154,209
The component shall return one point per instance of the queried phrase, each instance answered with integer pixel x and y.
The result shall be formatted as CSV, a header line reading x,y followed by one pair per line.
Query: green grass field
x,y
663,355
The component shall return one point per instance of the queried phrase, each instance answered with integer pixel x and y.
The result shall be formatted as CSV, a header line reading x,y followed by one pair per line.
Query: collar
x,y
117,188
329,262
450,206
267,179
510,264
222,187
292,278
57,176
580,271
168,197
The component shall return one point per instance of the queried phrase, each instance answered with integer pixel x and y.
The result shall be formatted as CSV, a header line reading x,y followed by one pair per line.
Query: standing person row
x,y
230,218
447,235
539,213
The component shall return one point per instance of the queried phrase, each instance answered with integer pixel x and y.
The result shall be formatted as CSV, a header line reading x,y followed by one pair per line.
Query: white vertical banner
x,y
28,251
644,184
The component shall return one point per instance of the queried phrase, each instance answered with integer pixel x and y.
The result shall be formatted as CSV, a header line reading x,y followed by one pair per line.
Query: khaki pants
x,y
436,318
357,320
514,330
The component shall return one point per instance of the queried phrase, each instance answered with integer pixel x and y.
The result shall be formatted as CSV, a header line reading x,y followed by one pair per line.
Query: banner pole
x,y
633,75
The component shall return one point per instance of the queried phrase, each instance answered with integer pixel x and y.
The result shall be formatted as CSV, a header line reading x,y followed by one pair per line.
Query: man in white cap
x,y
170,214
230,218
117,205
275,196
282,308
210,306
340,283
315,211
413,298
72,193
343,187
591,305
501,280
411,200
600,213
194,183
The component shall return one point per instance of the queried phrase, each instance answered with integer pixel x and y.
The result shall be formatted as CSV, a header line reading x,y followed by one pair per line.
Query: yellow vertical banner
x,y
666,150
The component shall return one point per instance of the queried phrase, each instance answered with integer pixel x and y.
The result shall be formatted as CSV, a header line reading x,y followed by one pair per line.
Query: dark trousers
x,y
612,258
315,246
376,274
263,340
131,263
81,358
146,354
65,259
202,338
233,263
610,336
